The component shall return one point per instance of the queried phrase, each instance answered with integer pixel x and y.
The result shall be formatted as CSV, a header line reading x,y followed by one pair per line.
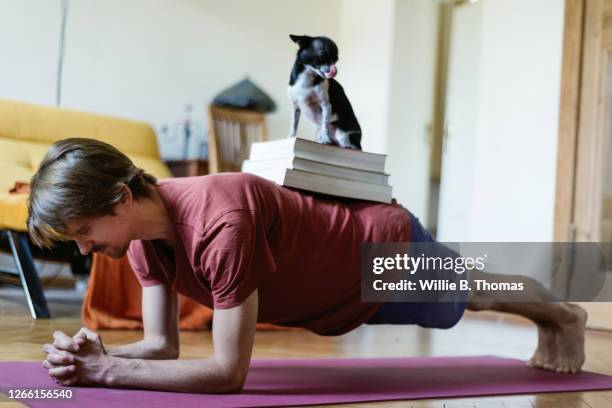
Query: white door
x,y
454,211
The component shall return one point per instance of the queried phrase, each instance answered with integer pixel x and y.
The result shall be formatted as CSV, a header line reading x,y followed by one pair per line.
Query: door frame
x,y
578,200
578,204
569,112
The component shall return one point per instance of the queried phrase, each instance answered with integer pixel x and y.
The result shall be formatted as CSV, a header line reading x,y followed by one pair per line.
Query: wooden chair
x,y
232,131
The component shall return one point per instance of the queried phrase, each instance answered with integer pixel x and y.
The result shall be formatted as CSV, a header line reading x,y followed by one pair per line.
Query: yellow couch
x,y
26,132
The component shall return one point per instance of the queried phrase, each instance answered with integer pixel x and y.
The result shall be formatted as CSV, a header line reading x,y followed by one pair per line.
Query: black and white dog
x,y
314,92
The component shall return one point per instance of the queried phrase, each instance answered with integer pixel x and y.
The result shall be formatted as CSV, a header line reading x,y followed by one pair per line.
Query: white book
x,y
310,150
327,185
311,166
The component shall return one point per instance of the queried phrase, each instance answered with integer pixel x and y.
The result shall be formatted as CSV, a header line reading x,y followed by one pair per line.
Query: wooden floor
x,y
21,338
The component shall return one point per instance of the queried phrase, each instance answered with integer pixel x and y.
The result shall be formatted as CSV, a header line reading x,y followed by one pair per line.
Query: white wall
x,y
411,102
365,42
512,169
28,49
516,147
455,208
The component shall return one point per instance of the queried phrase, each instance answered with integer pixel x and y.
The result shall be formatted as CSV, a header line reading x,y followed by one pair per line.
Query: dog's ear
x,y
301,40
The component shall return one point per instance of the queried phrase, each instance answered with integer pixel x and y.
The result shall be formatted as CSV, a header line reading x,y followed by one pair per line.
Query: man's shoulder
x,y
198,201
219,181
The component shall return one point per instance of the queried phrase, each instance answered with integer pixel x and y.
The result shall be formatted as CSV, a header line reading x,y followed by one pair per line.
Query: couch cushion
x,y
13,211
46,124
16,165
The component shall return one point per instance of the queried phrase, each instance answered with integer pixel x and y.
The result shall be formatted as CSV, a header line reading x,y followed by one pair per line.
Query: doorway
x,y
456,111
583,207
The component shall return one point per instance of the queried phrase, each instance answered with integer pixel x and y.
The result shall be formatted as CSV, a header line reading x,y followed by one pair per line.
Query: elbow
x,y
233,385
231,377
164,350
238,383
231,381
170,353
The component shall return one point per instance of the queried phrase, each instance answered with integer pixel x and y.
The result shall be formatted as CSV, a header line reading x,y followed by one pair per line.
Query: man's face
x,y
108,234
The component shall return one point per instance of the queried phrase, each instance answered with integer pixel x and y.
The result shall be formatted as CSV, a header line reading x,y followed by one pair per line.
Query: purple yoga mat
x,y
276,383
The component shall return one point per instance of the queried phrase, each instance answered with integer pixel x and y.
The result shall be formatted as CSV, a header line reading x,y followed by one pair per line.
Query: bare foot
x,y
570,341
561,347
544,356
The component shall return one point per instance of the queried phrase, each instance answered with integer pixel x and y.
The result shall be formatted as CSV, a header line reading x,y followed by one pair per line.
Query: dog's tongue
x,y
332,71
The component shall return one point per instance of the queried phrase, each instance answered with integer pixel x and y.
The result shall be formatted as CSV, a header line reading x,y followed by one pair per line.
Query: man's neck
x,y
152,219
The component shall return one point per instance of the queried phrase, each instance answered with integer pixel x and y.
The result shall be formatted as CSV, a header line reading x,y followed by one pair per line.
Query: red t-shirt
x,y
235,232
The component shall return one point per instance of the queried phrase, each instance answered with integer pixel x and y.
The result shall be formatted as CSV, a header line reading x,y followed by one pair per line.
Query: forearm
x,y
196,376
146,348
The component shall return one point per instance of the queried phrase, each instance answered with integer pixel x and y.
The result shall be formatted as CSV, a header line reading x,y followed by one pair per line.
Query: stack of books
x,y
308,165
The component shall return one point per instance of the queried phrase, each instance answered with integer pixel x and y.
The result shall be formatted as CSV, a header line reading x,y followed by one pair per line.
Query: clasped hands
x,y
81,359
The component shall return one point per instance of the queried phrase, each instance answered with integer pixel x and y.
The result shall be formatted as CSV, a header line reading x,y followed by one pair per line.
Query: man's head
x,y
84,190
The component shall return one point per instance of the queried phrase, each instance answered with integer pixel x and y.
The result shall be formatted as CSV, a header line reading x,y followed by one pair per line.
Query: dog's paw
x,y
326,140
350,146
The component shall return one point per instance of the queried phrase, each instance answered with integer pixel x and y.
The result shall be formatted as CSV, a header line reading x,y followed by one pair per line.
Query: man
x,y
251,250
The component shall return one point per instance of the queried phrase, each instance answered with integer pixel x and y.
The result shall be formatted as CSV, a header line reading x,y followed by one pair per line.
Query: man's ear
x,y
301,40
126,195
126,201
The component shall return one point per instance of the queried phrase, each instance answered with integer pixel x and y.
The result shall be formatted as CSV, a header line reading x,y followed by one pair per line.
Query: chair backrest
x,y
232,131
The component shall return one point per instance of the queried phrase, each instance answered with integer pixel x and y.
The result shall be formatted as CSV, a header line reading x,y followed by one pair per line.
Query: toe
x,y
564,368
575,368
550,366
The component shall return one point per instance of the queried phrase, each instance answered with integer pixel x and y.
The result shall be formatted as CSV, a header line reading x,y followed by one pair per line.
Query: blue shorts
x,y
440,315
